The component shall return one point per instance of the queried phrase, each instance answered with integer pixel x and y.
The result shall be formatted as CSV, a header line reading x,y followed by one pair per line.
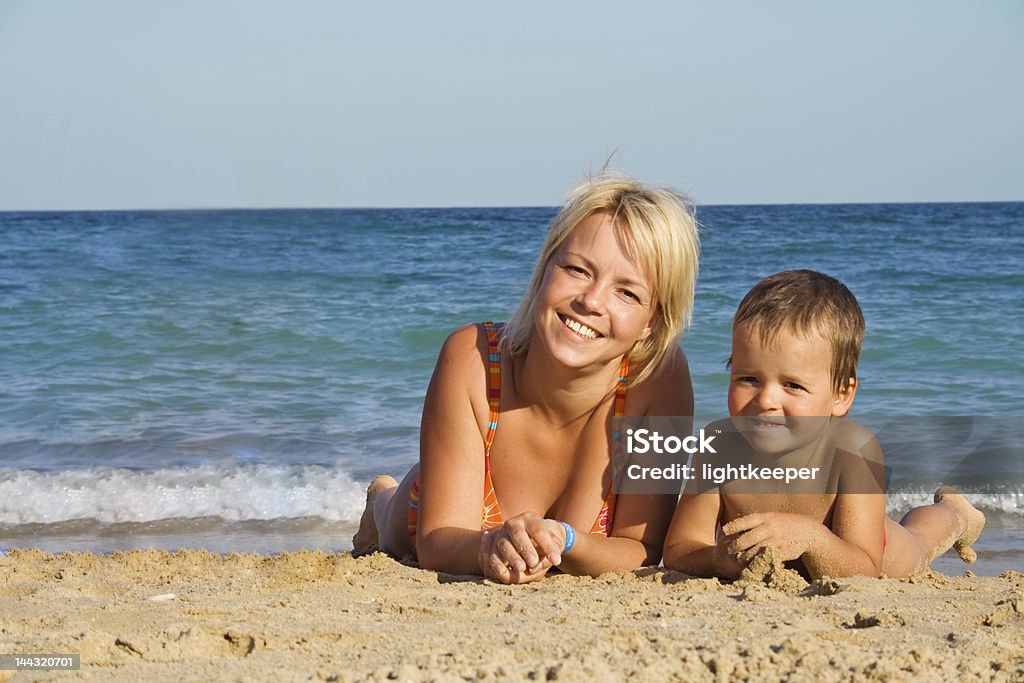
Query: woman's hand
x,y
522,550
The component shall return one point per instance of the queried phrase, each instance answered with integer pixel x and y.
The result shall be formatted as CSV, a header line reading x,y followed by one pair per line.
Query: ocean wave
x,y
1007,503
240,493
261,492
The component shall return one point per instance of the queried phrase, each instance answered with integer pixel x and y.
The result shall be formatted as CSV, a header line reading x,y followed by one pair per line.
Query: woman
x,y
595,337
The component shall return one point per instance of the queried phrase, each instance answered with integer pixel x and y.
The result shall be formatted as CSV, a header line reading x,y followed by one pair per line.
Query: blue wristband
x,y
570,536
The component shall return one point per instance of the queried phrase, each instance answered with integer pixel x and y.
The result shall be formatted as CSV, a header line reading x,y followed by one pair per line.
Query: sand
x,y
195,615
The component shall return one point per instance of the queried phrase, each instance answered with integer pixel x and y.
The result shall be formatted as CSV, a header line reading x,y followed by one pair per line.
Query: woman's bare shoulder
x,y
461,369
460,377
668,391
464,348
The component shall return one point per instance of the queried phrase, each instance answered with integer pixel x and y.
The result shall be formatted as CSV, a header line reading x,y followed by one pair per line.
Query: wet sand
x,y
196,615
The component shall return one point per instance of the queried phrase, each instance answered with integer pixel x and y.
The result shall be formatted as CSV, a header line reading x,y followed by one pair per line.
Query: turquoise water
x,y
232,379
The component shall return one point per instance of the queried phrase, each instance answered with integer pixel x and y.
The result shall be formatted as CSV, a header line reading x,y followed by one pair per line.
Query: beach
x,y
204,379
195,615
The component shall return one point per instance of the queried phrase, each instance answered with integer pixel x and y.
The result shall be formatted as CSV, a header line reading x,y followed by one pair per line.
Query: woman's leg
x,y
926,532
384,522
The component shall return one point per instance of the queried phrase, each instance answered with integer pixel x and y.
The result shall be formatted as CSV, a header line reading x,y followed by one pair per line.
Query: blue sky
x,y
146,104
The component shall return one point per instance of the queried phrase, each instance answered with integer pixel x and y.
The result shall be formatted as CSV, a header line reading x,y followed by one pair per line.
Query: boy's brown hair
x,y
806,302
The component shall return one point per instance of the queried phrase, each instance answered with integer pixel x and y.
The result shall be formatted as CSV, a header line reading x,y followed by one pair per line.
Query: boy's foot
x,y
366,535
972,521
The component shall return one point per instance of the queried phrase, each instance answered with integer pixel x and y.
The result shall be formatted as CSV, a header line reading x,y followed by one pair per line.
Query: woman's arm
x,y
641,520
636,538
448,536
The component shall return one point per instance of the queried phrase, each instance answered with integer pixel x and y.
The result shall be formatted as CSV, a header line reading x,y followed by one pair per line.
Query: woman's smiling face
x,y
594,302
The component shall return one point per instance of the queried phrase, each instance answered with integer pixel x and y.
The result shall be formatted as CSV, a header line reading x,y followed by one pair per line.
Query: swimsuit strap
x,y
491,516
620,387
493,384
618,461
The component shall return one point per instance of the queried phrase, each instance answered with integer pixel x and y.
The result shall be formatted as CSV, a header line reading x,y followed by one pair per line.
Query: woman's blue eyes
x,y
576,271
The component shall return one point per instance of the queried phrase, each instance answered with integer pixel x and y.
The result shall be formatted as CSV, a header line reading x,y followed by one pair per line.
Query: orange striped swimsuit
x,y
491,516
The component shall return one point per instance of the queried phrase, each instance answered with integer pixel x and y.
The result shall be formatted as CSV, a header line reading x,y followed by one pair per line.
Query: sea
x,y
232,379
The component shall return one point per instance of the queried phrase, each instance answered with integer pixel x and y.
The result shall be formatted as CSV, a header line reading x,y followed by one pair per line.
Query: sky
x,y
131,104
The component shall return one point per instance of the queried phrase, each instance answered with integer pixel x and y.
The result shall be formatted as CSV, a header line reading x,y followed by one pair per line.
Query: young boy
x,y
796,341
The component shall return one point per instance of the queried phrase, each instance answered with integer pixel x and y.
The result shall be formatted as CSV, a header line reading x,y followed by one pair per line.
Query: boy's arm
x,y
849,550
691,544
858,530
854,541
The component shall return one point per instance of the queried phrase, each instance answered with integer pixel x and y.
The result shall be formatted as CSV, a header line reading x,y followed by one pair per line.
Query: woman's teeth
x,y
580,328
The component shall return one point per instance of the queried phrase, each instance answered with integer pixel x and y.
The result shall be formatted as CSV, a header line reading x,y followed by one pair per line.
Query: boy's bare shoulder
x,y
848,436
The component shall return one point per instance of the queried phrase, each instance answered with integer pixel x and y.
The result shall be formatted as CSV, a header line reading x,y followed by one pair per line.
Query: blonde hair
x,y
659,230
806,302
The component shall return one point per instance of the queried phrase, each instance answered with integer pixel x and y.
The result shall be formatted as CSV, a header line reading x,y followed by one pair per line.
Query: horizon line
x,y
493,206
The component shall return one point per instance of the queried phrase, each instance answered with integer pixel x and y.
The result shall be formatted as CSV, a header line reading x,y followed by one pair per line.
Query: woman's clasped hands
x,y
522,549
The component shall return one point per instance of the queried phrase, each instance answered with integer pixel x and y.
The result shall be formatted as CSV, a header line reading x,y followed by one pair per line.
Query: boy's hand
x,y
726,561
789,533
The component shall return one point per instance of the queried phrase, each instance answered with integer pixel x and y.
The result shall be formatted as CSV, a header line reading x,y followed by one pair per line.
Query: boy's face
x,y
790,378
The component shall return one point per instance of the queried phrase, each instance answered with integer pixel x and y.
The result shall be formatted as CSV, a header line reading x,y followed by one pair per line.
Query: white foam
x,y
246,492
1008,503
253,492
